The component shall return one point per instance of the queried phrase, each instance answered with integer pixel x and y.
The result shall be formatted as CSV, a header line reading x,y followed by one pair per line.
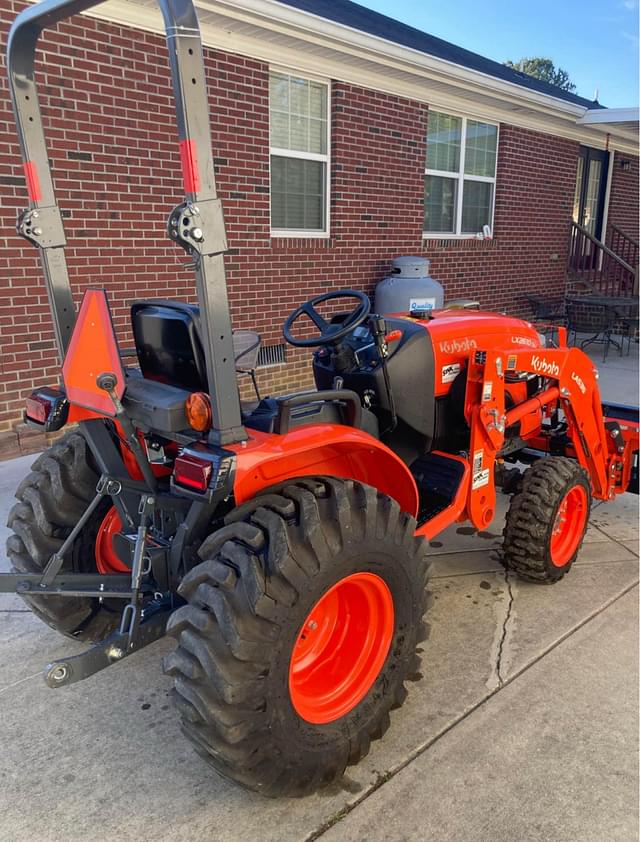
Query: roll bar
x,y
197,224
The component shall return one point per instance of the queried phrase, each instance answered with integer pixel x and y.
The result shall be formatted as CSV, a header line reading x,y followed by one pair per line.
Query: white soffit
x,y
279,34
622,120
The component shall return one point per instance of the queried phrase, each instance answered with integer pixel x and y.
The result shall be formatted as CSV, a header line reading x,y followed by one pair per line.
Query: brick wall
x,y
625,190
109,118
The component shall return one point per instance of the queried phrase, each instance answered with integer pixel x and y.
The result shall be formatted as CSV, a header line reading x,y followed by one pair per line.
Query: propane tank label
x,y
450,372
421,304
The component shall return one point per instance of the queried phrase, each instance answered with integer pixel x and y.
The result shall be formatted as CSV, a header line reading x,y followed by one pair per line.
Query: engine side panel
x,y
411,372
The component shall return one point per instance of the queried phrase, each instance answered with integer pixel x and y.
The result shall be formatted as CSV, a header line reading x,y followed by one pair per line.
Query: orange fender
x,y
267,459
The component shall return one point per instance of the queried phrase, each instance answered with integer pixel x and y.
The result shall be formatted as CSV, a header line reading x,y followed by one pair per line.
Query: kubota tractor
x,y
285,547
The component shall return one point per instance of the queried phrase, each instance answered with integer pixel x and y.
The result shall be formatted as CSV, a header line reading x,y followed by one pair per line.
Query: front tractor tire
x,y
51,500
547,520
300,630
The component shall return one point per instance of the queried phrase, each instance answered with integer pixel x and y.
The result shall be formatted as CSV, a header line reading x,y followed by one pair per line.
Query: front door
x,y
591,184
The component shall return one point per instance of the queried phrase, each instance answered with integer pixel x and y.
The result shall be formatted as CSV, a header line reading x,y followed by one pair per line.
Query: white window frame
x,y
291,233
460,177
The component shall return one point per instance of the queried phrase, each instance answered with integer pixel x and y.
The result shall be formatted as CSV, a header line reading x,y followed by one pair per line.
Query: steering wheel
x,y
329,333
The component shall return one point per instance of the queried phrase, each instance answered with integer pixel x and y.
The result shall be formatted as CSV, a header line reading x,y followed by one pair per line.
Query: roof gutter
x,y
260,29
272,13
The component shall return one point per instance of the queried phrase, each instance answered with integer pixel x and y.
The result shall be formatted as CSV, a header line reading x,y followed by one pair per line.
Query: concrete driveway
x,y
521,725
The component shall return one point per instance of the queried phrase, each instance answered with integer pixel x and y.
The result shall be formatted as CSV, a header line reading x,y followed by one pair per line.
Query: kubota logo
x,y
458,346
523,340
545,366
577,379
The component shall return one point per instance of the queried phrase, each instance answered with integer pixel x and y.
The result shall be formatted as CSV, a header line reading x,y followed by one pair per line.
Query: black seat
x,y
168,343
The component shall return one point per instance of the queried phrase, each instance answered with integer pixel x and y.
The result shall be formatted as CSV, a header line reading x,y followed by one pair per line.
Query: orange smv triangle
x,y
93,351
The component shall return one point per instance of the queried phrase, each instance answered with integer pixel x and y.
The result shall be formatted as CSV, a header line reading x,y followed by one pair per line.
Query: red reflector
x,y
192,472
93,351
391,337
33,182
190,171
38,408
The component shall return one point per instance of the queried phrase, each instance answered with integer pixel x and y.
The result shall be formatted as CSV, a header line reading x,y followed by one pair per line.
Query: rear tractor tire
x,y
547,520
300,630
51,500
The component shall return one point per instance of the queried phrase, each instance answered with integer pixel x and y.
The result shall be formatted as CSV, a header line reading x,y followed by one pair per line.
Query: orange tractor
x,y
284,545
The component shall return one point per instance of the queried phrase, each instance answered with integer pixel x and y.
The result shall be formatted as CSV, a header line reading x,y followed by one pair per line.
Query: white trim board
x,y
284,36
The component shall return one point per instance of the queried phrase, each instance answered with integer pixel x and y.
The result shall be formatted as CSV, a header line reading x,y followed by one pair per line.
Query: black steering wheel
x,y
329,333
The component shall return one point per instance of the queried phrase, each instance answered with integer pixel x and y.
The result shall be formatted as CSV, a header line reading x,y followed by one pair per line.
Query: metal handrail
x,y
597,264
624,246
600,245
625,235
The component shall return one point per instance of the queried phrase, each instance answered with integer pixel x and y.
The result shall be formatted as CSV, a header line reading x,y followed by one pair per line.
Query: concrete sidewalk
x,y
522,717
522,724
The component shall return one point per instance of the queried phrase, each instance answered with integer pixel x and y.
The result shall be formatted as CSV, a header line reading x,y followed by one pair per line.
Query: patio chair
x,y
630,324
547,308
246,348
588,317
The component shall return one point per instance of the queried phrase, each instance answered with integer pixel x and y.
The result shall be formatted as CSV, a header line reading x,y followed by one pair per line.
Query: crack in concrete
x,y
611,538
505,630
380,781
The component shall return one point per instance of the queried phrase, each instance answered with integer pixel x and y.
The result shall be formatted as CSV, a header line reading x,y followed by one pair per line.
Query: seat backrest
x,y
168,345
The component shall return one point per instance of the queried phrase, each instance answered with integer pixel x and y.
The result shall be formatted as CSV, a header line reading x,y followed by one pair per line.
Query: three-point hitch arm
x,y
197,224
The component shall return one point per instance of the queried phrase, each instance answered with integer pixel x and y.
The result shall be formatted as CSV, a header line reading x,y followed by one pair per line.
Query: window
x,y
299,131
460,175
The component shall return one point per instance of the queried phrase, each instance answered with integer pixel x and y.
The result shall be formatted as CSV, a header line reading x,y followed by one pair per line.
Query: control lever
x,y
378,328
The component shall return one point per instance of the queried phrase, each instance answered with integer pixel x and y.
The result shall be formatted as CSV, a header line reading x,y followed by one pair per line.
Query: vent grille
x,y
272,355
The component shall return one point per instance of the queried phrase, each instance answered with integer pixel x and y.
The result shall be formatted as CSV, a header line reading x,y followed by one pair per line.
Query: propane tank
x,y
409,288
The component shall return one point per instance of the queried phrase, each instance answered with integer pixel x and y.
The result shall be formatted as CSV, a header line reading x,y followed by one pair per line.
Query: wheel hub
x,y
569,524
341,648
107,560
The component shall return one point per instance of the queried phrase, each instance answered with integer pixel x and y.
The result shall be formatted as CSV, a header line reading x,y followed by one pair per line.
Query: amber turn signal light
x,y
197,408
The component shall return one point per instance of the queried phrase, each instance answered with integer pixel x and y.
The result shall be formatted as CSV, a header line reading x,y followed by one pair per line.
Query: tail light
x,y
48,408
193,472
203,470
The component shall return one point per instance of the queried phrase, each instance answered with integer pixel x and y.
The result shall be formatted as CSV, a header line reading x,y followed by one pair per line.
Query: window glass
x,y
297,193
578,191
443,142
460,174
439,203
476,205
298,114
298,125
480,149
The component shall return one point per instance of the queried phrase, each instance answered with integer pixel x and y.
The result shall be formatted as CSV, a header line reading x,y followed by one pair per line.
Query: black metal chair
x,y
630,323
591,318
547,308
246,349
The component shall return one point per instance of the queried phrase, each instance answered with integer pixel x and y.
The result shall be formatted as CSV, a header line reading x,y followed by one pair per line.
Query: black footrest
x,y
438,479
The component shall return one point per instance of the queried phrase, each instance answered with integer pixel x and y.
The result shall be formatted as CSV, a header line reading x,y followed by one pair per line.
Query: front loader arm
x,y
572,384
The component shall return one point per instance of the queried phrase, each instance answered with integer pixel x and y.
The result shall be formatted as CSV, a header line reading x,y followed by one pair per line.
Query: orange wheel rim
x,y
107,560
569,525
341,648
